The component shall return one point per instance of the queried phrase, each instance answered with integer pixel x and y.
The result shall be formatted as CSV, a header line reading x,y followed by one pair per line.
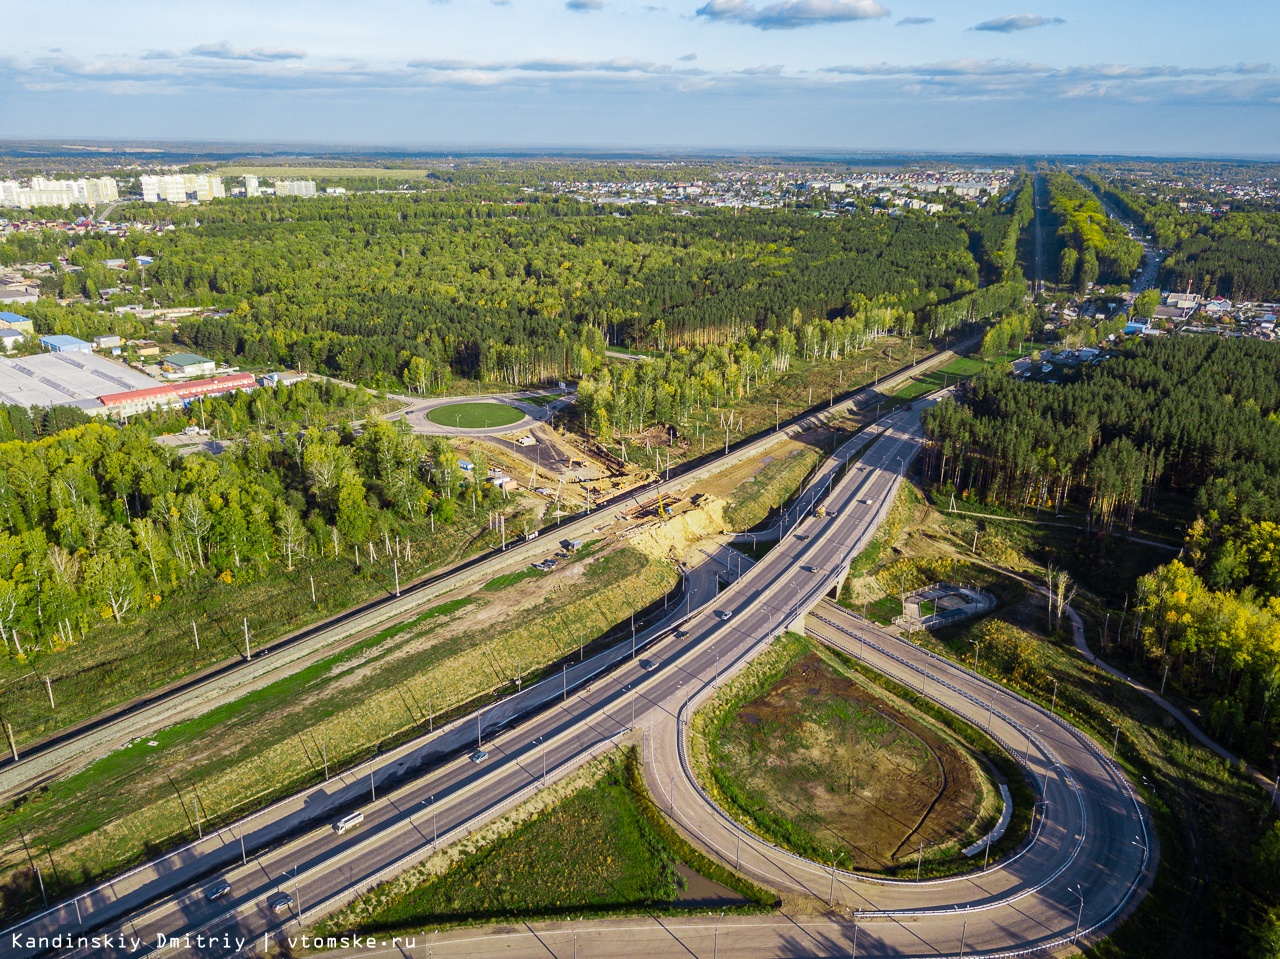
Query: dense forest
x,y
1198,416
97,520
1095,248
360,286
1235,254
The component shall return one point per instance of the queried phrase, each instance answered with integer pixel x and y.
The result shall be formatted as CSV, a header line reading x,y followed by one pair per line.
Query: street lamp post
x,y
1027,754
1079,891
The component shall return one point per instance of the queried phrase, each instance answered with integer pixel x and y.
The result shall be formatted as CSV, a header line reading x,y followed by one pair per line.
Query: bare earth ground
x,y
851,768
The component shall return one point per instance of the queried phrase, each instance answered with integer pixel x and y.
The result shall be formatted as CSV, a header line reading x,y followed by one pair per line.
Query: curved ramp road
x,y
1085,863
225,682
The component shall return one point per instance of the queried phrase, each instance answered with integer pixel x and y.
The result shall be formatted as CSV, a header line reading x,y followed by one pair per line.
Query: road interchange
x,y
1092,833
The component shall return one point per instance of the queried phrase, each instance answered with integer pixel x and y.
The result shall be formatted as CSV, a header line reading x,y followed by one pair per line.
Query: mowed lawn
x,y
475,416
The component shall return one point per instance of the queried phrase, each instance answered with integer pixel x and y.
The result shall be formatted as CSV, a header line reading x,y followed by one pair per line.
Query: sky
x,y
1180,77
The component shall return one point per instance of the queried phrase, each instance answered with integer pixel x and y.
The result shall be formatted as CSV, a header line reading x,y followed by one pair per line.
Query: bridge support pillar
x,y
839,582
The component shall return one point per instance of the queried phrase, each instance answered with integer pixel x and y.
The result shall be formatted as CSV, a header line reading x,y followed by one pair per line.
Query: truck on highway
x,y
348,822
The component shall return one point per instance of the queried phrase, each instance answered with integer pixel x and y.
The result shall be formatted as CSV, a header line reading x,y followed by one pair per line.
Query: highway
x,y
225,682
1091,833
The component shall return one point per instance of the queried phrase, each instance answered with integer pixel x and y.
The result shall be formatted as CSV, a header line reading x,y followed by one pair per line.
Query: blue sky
x,y
1125,76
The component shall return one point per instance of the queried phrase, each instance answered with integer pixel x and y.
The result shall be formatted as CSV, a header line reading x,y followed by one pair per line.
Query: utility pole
x,y
247,654
1054,705
395,565
13,747
313,590
372,795
48,688
195,632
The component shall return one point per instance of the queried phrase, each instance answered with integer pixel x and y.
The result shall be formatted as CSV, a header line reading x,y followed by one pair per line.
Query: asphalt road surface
x,y
71,748
1091,834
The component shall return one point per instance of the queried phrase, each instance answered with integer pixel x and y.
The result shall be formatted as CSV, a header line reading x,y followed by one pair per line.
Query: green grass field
x,y
953,372
510,579
330,172
773,485
475,416
593,852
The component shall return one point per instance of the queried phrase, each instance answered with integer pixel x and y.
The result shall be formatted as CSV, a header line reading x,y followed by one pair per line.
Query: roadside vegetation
x,y
1175,441
124,566
379,691
1219,842
600,848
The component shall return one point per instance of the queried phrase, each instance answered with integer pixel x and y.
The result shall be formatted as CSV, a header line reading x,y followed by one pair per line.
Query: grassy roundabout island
x,y
813,757
475,416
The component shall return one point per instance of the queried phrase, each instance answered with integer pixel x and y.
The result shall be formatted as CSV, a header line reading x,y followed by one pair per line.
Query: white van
x,y
348,822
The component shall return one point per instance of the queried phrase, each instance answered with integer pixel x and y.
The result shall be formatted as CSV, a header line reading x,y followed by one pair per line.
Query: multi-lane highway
x,y
1090,852
231,679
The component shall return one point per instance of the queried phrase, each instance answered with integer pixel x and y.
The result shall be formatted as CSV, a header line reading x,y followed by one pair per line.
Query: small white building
x,y
10,339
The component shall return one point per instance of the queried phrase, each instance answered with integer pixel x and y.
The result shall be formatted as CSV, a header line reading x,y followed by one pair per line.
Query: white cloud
x,y
583,6
914,21
1020,21
790,14
223,51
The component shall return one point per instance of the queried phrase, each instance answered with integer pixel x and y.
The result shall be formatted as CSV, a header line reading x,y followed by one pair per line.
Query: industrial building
x,y
65,379
61,343
13,321
188,364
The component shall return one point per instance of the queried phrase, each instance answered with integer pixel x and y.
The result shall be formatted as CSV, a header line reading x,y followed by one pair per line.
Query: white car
x,y
724,613
478,756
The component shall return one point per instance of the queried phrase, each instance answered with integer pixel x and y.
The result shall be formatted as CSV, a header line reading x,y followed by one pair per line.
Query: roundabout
x,y
486,415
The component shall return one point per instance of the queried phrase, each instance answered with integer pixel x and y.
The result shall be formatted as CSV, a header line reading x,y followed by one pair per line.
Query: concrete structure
x,y
44,192
283,378
295,187
181,188
11,338
61,343
14,321
18,294
65,379
251,188
188,364
145,347
107,342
